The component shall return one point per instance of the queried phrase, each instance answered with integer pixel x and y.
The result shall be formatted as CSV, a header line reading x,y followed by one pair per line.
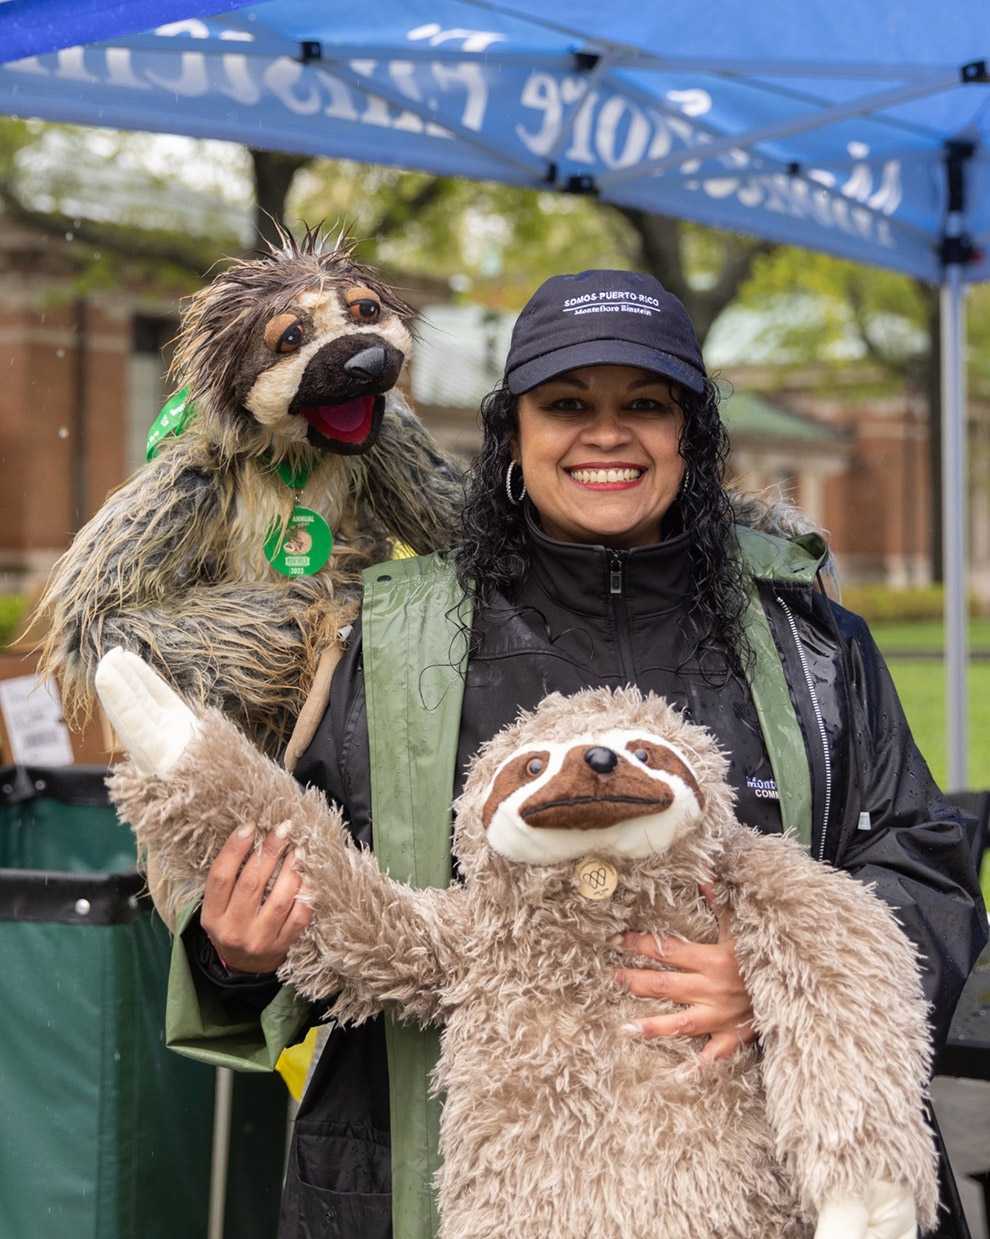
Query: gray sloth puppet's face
x,y
319,369
624,791
304,342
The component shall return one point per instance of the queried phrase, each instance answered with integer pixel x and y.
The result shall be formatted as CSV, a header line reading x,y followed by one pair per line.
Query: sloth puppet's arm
x,y
194,778
842,1021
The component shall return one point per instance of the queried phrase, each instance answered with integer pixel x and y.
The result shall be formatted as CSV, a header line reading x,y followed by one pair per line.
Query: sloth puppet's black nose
x,y
368,364
601,759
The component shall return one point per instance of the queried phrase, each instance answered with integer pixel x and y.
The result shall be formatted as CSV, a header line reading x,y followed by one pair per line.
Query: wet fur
x,y
554,1123
172,566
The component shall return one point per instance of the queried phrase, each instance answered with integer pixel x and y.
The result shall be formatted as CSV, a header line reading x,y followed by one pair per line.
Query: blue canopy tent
x,y
860,130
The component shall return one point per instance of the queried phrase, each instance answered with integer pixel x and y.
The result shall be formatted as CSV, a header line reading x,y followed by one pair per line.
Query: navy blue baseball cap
x,y
619,318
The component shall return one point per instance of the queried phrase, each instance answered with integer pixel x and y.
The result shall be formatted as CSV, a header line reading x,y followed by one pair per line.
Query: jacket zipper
x,y
819,719
620,616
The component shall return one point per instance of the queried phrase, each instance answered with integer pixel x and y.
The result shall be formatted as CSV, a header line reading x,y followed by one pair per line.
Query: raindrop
x,y
63,432
82,907
70,236
60,352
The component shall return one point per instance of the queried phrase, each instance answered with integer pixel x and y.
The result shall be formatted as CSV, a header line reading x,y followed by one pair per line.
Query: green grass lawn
x,y
921,687
893,637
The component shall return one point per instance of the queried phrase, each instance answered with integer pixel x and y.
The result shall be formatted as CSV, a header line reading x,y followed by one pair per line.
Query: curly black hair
x,y
493,553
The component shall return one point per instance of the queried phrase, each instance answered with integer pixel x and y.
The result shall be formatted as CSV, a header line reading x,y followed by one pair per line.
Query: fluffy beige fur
x,y
555,1124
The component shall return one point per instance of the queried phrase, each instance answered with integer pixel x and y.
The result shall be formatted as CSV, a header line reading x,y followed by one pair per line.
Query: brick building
x,y
82,378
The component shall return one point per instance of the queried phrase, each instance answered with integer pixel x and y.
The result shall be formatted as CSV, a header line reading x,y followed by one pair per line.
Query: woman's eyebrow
x,y
565,379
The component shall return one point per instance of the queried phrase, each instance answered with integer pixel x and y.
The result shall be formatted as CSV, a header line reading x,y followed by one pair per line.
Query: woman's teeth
x,y
605,475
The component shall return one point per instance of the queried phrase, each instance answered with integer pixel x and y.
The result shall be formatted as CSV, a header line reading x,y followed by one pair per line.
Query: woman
x,y
599,549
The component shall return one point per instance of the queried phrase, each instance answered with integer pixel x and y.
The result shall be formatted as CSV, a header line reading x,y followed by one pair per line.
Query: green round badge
x,y
306,546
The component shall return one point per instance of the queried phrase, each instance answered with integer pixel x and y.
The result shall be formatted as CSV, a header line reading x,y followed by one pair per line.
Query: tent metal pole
x,y
222,1109
954,523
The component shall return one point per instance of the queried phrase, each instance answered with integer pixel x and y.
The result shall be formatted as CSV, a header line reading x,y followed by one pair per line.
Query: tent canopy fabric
x,y
837,127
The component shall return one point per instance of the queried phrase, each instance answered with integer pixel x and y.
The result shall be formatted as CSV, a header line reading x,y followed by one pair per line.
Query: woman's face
x,y
599,453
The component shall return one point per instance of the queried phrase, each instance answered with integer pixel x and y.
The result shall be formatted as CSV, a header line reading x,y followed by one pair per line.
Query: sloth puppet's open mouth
x,y
349,427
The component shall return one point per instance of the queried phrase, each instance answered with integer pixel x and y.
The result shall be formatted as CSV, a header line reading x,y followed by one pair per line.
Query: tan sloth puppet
x,y
288,463
594,815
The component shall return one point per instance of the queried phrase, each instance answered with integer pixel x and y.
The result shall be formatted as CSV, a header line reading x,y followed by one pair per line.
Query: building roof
x,y
746,413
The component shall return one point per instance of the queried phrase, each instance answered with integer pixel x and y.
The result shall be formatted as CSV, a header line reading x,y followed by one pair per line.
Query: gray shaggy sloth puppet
x,y
211,561
595,814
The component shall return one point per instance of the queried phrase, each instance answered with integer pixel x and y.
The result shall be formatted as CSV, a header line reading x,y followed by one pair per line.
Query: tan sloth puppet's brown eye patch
x,y
659,757
363,305
284,333
514,774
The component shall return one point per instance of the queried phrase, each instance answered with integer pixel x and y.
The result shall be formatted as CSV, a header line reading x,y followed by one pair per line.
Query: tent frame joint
x,y
975,71
956,247
585,61
958,251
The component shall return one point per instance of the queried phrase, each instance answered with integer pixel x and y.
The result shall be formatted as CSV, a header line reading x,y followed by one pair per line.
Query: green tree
x,y
704,268
128,213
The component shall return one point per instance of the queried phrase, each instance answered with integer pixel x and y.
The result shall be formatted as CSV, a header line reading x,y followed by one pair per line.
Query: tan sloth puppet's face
x,y
628,792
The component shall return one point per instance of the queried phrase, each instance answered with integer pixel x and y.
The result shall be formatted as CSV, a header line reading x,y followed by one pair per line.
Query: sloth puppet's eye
x,y
365,310
284,333
641,755
535,766
363,304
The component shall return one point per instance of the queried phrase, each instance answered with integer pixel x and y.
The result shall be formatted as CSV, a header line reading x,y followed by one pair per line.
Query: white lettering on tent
x,y
542,93
341,105
408,79
662,140
470,40
694,102
72,66
120,71
192,79
470,78
582,126
888,197
241,84
797,197
607,127
376,110
725,187
282,77
610,126
403,74
30,64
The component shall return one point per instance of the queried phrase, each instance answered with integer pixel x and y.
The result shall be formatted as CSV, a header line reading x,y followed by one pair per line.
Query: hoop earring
x,y
513,499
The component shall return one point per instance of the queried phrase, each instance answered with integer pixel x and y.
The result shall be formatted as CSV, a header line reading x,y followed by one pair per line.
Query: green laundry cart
x,y
105,1134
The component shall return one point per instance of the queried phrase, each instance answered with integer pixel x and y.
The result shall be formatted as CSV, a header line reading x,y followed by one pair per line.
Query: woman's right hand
x,y
250,930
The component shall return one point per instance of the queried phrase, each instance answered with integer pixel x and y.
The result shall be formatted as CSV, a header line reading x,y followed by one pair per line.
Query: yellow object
x,y
293,1064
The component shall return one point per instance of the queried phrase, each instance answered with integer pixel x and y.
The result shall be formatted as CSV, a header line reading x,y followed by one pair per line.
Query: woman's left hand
x,y
703,978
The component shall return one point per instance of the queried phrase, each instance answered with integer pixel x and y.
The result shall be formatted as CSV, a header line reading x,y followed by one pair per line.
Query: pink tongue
x,y
342,417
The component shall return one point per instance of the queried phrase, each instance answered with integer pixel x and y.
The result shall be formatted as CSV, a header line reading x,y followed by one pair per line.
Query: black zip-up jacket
x,y
588,616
